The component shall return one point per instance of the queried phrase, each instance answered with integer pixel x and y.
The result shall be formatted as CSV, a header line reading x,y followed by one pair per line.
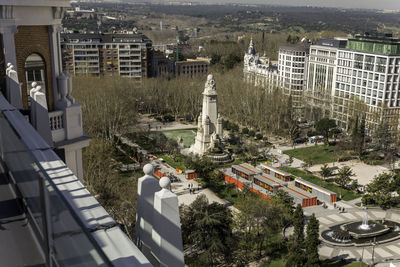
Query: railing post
x,y
167,234
147,186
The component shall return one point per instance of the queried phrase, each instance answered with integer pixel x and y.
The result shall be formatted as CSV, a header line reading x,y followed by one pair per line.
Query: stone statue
x,y
210,84
209,122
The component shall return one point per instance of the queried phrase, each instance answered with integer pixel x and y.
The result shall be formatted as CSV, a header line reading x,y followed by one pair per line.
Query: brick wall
x,y
28,40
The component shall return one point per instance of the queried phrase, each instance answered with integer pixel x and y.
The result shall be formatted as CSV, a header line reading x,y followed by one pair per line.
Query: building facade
x,y
52,219
192,66
292,68
321,78
340,78
127,55
33,79
368,72
290,75
161,65
257,70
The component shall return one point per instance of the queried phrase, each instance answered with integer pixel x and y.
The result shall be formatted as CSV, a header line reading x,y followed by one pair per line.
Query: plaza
x,y
381,254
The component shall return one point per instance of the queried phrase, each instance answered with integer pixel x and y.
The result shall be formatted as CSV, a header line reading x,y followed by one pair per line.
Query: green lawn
x,y
346,194
187,136
316,154
179,162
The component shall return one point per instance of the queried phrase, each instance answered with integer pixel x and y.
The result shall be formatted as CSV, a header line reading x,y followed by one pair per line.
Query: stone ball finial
x,y
165,183
148,169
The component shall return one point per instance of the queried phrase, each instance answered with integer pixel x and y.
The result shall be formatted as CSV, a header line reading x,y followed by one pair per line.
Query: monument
x,y
209,128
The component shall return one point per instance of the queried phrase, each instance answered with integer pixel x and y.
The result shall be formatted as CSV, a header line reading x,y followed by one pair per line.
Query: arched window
x,y
35,71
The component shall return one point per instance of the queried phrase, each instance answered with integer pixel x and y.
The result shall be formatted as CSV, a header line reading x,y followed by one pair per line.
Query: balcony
x,y
56,119
48,216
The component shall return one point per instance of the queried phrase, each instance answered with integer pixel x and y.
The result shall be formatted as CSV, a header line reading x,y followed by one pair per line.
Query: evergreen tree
x,y
325,126
207,230
296,257
312,242
344,176
382,139
382,190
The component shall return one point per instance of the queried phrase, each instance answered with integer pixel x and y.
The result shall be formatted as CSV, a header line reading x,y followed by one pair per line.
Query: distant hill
x,y
369,4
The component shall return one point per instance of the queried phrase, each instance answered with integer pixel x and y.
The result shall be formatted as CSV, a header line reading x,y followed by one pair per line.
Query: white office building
x,y
321,78
368,70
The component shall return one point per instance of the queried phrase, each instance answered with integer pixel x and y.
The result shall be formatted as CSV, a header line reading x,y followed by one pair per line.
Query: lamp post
x,y
373,250
362,257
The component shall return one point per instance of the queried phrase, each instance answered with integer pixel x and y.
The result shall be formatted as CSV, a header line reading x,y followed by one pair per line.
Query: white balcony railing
x,y
56,120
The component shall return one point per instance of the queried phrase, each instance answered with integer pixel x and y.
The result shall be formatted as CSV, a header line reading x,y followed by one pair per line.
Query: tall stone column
x,y
167,234
8,33
147,187
56,62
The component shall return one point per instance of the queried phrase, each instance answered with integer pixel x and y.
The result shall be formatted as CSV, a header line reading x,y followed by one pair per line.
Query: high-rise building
x,y
292,68
368,71
321,78
339,78
127,55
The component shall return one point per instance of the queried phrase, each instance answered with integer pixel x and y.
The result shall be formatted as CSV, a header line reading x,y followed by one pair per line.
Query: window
x,y
35,71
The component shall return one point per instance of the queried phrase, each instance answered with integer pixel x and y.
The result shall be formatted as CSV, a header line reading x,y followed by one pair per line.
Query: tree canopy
x,y
383,190
325,126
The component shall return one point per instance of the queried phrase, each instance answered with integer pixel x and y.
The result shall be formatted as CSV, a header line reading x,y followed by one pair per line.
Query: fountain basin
x,y
378,233
357,232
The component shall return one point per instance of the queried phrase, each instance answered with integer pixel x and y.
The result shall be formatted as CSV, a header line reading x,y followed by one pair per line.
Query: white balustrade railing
x,y
56,120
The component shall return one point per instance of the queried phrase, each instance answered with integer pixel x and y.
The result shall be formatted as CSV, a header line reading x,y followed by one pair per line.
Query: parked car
x,y
300,140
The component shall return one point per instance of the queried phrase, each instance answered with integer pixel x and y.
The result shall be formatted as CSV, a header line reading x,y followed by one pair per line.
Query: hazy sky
x,y
378,4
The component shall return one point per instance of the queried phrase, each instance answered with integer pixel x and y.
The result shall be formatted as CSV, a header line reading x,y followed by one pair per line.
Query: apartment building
x,y
192,66
321,78
258,71
292,69
368,70
127,55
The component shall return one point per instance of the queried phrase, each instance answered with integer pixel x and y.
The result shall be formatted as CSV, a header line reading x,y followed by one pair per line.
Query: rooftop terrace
x,y
47,215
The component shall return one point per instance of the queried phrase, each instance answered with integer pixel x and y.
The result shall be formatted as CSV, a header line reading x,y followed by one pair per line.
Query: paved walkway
x,y
383,253
364,173
147,123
